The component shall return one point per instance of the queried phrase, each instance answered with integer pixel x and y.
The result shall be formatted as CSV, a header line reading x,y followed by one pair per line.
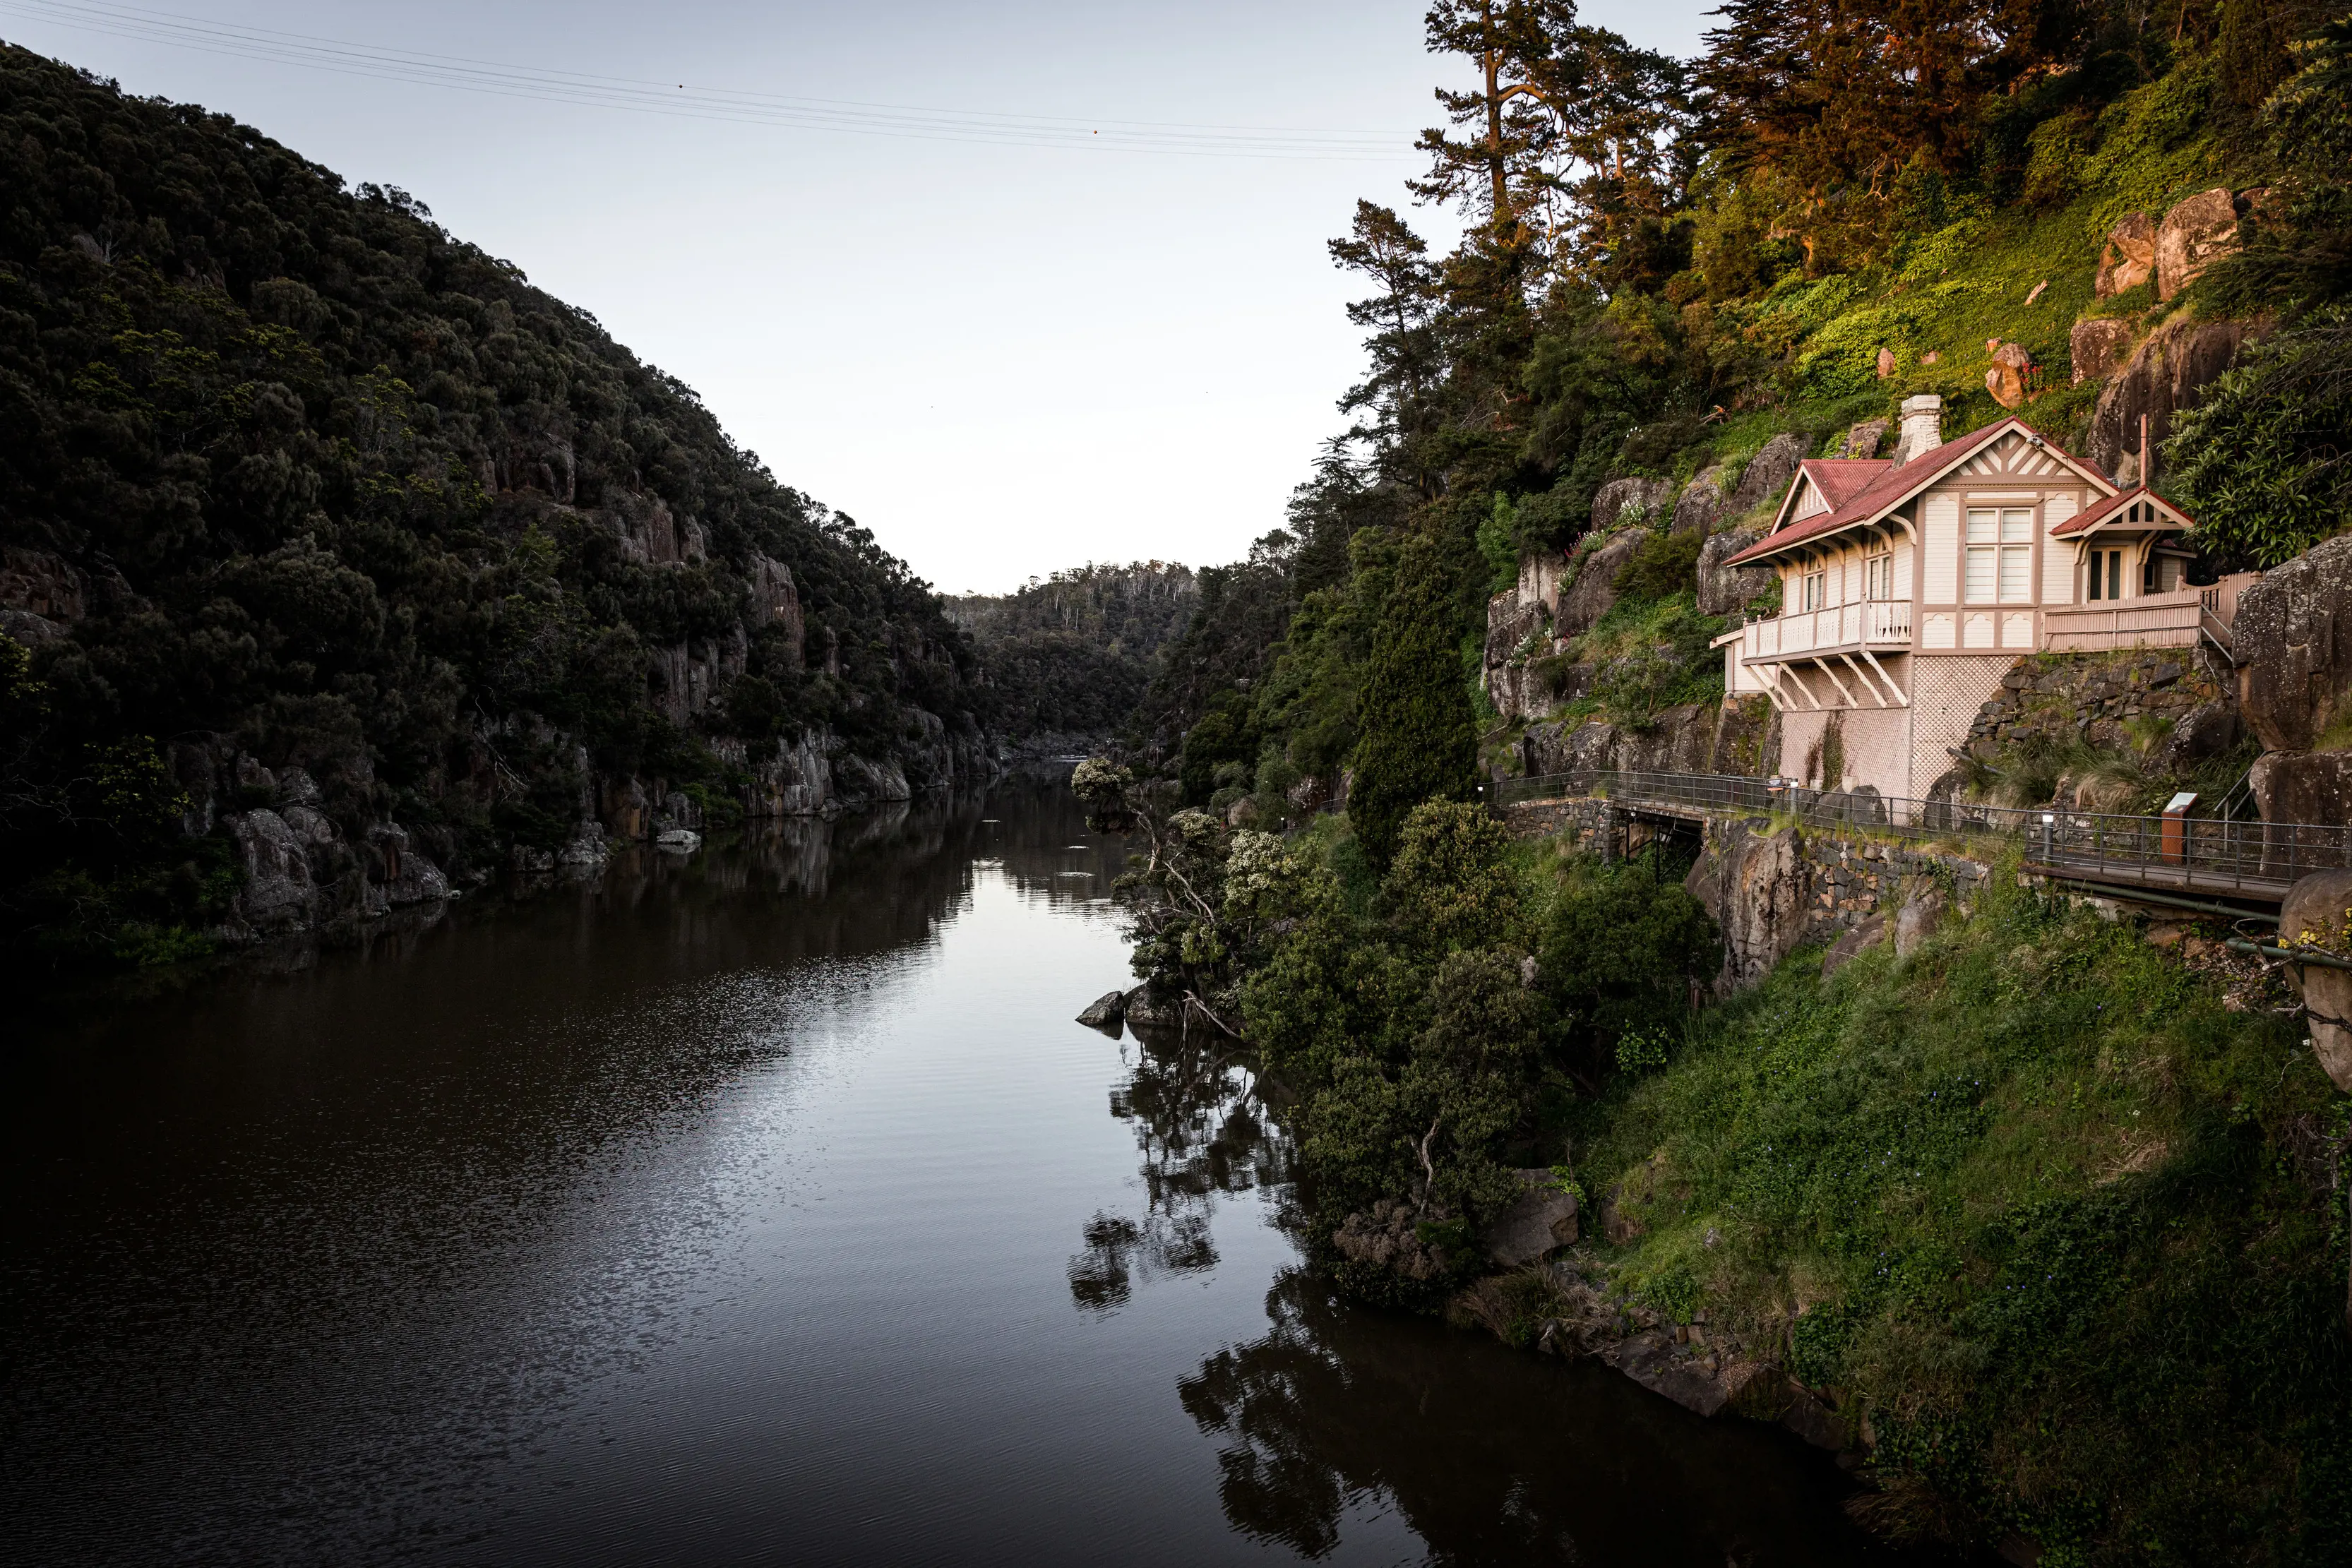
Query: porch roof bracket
x,y
1902,699
1861,678
1831,671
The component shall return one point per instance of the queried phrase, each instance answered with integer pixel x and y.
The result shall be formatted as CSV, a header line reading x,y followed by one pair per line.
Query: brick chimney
x,y
1923,427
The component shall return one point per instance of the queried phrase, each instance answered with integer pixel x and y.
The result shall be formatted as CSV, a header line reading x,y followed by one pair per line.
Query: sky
x,y
1007,345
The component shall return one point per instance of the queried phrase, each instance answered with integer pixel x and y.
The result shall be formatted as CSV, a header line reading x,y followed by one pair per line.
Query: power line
x,y
725,105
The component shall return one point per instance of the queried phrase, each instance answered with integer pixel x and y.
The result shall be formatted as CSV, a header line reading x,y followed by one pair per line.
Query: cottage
x,y
1910,584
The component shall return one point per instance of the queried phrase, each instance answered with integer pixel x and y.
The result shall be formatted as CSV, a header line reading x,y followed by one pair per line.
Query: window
x,y
1816,585
2000,566
1878,572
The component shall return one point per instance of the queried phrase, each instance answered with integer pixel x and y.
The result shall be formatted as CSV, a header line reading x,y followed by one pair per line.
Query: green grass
x,y
2033,1197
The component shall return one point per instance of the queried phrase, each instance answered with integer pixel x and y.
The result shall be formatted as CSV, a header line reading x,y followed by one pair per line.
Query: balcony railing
x,y
1874,623
2191,853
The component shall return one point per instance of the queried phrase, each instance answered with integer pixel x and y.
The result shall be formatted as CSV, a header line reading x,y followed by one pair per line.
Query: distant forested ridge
x,y
1070,655
339,561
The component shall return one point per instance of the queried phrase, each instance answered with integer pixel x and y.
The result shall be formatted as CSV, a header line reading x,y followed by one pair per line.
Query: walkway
x,y
2204,856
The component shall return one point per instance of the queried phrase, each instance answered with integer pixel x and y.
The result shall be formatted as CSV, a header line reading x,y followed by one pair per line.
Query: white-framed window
x,y
1878,570
1815,590
1999,560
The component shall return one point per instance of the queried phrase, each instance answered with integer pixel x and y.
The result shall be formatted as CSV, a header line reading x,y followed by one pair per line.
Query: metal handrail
x,y
2258,856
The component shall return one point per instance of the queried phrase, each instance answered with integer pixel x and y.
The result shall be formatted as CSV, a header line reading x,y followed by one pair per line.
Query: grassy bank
x,y
2065,1230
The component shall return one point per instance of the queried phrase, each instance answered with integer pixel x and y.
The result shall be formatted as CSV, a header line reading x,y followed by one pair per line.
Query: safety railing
x,y
2206,853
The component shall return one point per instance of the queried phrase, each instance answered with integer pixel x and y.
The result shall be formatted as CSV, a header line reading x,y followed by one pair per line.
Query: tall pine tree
x,y
1419,739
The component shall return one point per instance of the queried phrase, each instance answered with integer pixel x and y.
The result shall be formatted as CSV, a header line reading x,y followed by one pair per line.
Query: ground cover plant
x,y
2067,1227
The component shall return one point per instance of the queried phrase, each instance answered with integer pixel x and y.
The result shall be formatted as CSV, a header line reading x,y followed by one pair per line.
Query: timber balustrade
x,y
2255,859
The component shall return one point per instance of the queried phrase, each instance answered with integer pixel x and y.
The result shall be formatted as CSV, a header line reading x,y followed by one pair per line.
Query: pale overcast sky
x,y
1005,358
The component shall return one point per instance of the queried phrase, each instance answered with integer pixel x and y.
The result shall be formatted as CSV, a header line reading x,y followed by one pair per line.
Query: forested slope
x,y
1070,655
1672,266
290,478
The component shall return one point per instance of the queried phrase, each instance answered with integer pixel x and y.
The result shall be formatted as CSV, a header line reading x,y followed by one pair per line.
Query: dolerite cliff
x,y
339,565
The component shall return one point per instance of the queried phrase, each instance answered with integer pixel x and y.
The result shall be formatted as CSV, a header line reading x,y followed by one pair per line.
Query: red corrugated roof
x,y
2096,514
1841,480
1892,487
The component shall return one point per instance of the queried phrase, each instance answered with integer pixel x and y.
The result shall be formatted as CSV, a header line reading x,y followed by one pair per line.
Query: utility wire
x,y
679,101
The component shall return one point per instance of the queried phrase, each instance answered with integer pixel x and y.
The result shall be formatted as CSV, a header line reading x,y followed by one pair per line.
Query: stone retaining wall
x,y
1773,891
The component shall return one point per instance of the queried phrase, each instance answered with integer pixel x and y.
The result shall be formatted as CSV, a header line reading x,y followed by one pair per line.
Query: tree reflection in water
x,y
1493,1456
1190,1101
1490,1454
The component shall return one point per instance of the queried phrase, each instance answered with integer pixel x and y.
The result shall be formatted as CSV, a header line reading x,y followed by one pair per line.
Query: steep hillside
x,y
307,504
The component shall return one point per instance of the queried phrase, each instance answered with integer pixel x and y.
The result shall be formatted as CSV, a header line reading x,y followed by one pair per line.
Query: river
x,y
761,1207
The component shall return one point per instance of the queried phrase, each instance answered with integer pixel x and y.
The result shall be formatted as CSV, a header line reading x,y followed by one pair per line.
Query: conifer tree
x,y
1420,741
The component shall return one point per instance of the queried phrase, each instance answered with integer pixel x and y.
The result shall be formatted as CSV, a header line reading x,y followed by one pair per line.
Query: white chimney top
x,y
1923,427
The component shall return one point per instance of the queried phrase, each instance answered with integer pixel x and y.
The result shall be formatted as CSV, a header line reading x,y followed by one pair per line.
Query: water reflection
x,y
1191,1101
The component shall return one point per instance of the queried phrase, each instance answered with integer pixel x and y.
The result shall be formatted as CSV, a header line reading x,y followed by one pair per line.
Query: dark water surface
x,y
760,1207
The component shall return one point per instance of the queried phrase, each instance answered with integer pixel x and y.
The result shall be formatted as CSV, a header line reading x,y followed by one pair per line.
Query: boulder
x,y
677,840
1766,475
1654,1361
1813,1421
1141,1008
1723,588
2164,375
1922,912
1862,440
2317,913
1540,1218
2199,230
279,894
1107,1011
1848,948
2129,257
587,849
2303,787
2097,346
1886,364
2006,378
1589,596
2293,640
1701,502
1621,502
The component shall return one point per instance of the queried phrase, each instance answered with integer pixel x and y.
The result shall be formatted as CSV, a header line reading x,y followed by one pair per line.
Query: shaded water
x,y
760,1207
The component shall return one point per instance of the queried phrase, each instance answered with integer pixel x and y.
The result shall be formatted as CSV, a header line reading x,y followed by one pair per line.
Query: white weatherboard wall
x,y
2057,555
1940,516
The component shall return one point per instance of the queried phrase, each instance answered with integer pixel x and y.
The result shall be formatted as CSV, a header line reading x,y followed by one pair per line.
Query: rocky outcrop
x,y
1723,588
2129,259
1540,1218
2317,913
1862,440
2097,347
2162,377
1701,502
1388,1237
1755,883
2293,640
1621,503
2303,787
1766,477
1592,591
2196,232
1691,737
2103,699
